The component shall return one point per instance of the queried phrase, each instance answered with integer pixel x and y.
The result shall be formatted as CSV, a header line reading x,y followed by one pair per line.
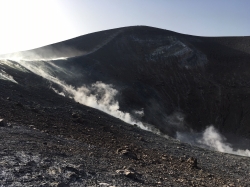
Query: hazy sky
x,y
27,24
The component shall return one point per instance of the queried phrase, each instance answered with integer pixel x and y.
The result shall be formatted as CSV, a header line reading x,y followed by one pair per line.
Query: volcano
x,y
76,97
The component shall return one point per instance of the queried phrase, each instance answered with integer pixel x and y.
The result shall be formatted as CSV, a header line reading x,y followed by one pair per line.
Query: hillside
x,y
70,111
180,81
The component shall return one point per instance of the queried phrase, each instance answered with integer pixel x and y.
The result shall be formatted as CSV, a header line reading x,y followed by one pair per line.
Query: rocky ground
x,y
49,140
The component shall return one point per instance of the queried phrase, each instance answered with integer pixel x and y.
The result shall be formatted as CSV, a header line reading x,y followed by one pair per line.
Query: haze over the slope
x,y
30,24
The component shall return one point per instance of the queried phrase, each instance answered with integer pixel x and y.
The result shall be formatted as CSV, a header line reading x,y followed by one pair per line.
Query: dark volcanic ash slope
x,y
49,140
180,81
175,77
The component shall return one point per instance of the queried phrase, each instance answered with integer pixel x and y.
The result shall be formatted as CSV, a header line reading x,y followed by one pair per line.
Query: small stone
x,y
127,153
192,162
130,174
164,157
103,184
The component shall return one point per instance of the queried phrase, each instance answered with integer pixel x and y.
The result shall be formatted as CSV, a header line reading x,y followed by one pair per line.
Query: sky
x,y
28,24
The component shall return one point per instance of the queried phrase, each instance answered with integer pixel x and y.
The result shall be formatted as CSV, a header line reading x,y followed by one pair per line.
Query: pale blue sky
x,y
27,24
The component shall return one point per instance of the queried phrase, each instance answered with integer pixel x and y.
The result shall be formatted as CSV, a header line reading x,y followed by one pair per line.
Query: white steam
x,y
139,113
211,139
98,95
59,93
102,97
13,65
44,53
5,76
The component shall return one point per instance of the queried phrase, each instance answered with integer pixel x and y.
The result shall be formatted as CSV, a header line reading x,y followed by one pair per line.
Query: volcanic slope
x,y
51,140
181,82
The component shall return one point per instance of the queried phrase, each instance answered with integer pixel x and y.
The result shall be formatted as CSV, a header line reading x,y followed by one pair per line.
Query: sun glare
x,y
28,23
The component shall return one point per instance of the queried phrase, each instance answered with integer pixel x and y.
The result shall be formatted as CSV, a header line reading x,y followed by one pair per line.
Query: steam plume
x,y
211,139
98,95
102,97
5,76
